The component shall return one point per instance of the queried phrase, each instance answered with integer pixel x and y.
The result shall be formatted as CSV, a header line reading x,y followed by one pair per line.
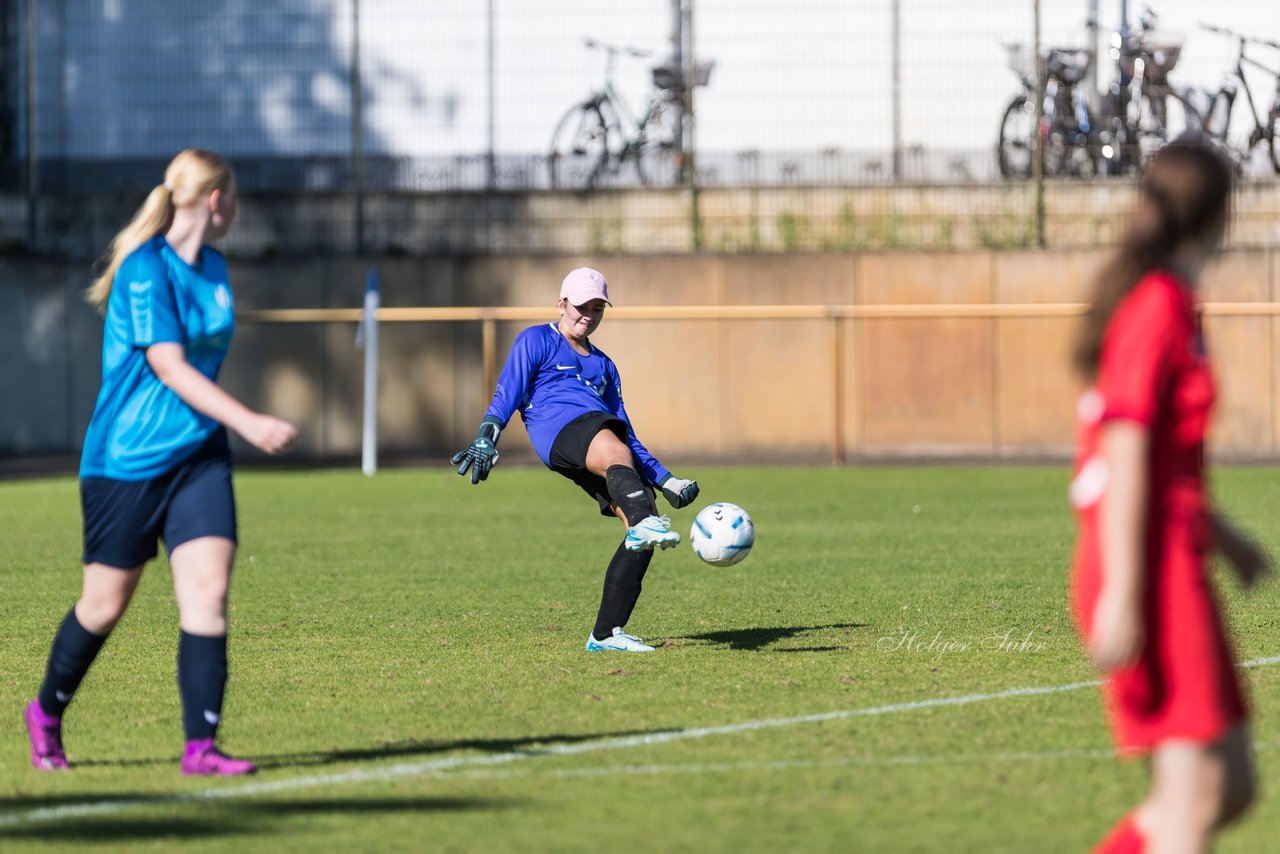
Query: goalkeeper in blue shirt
x,y
569,395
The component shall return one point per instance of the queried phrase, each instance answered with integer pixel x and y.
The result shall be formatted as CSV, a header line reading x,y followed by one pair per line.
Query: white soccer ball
x,y
722,534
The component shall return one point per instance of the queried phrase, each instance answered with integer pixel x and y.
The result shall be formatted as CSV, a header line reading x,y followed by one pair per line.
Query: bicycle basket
x,y
1067,64
1019,60
1159,55
667,75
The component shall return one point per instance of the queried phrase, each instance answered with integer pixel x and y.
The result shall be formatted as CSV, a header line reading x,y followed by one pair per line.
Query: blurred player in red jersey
x,y
1140,587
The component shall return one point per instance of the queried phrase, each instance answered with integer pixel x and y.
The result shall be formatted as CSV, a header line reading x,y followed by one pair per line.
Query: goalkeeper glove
x,y
679,493
482,454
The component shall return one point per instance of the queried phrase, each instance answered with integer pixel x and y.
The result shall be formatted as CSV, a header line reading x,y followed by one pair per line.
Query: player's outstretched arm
x,y
265,432
482,454
678,491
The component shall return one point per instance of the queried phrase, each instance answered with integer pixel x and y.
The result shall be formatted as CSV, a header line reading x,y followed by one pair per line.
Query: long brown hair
x,y
1185,196
190,175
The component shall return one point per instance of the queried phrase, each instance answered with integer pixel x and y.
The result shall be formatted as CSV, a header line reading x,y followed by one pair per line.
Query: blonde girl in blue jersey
x,y
155,463
569,394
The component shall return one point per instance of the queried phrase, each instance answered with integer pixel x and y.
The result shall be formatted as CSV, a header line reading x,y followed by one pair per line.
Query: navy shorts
x,y
123,520
569,454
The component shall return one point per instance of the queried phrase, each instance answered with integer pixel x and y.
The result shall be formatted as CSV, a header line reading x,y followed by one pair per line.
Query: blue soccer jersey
x,y
550,384
140,428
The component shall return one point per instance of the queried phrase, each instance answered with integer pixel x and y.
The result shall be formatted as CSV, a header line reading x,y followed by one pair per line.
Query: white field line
x,y
693,768
437,766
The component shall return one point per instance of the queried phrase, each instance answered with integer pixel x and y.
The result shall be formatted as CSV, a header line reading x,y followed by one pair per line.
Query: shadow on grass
x,y
412,748
756,639
809,649
215,820
394,750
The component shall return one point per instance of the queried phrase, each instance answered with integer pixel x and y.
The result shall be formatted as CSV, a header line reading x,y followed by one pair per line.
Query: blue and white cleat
x,y
651,532
620,642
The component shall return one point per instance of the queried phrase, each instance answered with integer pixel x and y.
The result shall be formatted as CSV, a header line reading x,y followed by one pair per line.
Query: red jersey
x,y
1154,371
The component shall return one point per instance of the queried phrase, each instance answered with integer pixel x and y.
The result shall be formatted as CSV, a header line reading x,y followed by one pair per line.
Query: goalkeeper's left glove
x,y
679,493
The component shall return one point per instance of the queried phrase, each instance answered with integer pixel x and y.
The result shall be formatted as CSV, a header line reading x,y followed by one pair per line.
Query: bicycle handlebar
x,y
615,49
1223,31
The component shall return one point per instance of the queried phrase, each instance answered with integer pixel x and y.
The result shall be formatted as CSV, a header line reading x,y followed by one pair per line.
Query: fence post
x,y
837,385
489,351
895,47
688,124
677,60
357,132
367,336
1037,162
33,140
491,178
1091,83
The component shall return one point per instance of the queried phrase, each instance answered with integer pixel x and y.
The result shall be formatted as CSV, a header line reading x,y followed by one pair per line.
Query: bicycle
x,y
1144,109
1066,130
1217,123
1141,113
600,135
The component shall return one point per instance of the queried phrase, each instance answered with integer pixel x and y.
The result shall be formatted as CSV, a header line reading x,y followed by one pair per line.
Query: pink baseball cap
x,y
583,285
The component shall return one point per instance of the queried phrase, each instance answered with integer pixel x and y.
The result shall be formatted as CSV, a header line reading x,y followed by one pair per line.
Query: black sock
x,y
202,680
621,590
74,649
628,492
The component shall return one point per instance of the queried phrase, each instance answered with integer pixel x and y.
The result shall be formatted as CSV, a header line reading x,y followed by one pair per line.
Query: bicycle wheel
x,y
1017,132
1163,115
1067,152
1272,133
1218,128
579,147
656,150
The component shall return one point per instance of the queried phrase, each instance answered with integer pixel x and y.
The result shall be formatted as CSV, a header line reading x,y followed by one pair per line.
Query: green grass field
x,y
407,665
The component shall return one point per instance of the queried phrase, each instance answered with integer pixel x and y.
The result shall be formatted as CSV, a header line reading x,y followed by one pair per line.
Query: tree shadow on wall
x,y
266,82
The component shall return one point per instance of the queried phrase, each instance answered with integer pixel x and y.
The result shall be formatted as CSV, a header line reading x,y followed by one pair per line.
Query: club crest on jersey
x,y
222,296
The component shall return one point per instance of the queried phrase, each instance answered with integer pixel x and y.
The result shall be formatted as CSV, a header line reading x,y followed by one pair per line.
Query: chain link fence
x,y
638,125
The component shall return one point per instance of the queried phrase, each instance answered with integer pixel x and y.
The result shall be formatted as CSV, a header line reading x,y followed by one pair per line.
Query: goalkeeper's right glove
x,y
482,455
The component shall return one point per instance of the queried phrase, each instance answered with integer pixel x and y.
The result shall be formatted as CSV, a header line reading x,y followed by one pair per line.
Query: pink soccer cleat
x,y
202,758
46,739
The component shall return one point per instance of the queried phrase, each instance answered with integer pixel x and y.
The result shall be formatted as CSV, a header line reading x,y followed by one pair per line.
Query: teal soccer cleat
x,y
619,642
651,532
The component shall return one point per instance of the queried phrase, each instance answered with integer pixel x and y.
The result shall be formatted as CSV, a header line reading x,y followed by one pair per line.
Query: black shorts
x,y
123,520
569,454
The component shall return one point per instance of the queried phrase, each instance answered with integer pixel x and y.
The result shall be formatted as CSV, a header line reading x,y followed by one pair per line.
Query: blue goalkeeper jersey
x,y
140,428
550,384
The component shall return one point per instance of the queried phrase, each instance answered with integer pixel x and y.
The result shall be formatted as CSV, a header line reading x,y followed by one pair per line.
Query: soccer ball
x,y
722,534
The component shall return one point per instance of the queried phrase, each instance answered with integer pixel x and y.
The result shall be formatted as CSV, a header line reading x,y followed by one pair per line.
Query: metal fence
x,y
370,97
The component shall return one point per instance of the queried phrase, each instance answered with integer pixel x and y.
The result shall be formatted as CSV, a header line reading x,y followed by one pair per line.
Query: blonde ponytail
x,y
151,219
192,174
